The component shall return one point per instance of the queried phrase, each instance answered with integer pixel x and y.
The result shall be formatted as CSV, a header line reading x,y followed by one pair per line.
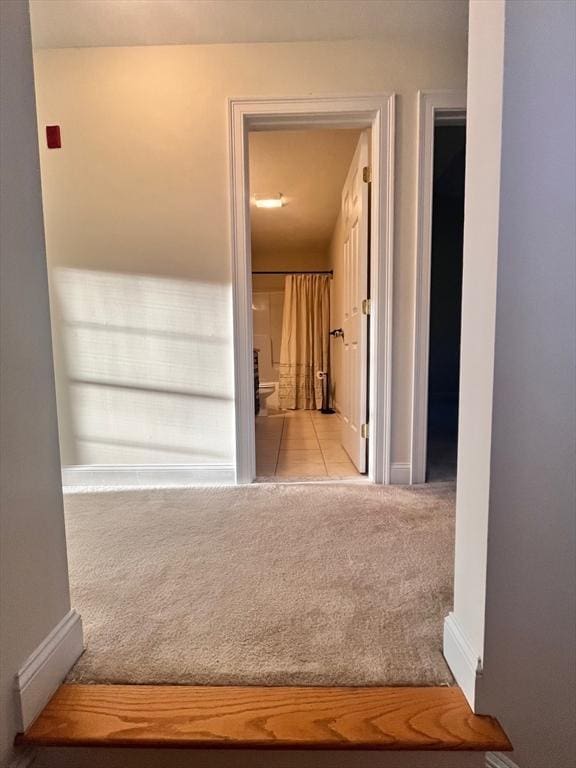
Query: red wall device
x,y
53,136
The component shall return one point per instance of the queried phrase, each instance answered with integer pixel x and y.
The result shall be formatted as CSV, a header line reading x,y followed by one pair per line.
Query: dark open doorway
x,y
445,300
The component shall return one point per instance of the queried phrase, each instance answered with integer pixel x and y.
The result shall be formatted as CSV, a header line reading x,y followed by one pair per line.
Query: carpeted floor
x,y
263,585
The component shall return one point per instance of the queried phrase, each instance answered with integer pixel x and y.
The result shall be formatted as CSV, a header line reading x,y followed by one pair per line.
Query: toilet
x,y
267,387
265,391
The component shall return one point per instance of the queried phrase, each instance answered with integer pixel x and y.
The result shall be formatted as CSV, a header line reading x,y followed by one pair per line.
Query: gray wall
x,y
529,679
33,571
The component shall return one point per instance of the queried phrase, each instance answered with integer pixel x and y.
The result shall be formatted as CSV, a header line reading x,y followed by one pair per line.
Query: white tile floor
x,y
301,444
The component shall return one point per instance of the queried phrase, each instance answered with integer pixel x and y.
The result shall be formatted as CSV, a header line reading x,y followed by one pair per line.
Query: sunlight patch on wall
x,y
148,368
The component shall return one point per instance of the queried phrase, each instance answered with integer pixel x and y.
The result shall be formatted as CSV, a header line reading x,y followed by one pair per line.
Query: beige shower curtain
x,y
304,348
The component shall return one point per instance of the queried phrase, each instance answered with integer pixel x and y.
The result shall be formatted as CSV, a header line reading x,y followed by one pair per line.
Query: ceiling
x,y
309,169
86,23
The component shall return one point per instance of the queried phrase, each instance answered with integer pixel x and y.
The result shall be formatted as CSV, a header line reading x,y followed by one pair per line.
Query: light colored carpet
x,y
263,585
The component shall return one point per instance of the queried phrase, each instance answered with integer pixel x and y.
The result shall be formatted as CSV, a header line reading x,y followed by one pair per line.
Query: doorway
x,y
362,114
445,299
438,294
309,244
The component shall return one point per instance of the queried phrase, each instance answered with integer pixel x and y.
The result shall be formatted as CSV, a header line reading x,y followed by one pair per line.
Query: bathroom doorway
x,y
307,227
347,369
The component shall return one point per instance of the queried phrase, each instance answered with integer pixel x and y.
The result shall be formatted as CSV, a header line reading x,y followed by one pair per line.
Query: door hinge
x,y
366,306
366,174
364,430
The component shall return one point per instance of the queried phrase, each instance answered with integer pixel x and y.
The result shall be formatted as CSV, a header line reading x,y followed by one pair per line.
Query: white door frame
x,y
450,106
374,112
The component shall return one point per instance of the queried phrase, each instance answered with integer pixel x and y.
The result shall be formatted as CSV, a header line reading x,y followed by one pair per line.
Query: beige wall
x,y
137,220
34,595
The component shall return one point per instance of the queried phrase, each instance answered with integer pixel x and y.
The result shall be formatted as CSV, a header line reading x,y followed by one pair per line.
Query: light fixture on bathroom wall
x,y
269,201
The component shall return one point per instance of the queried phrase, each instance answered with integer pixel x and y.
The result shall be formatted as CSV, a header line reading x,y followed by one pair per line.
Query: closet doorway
x,y
438,304
309,179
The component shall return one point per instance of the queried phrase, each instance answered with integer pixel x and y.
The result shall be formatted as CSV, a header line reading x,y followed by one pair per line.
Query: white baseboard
x,y
155,475
149,474
464,662
400,473
498,760
47,666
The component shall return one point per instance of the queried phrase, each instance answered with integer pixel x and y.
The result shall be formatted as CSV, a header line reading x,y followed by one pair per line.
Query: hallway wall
x,y
34,593
529,677
137,226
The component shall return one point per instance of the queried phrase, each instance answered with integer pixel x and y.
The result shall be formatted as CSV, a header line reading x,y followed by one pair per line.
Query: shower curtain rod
x,y
297,272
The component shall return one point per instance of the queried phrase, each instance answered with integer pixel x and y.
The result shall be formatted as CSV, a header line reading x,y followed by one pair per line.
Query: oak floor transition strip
x,y
254,717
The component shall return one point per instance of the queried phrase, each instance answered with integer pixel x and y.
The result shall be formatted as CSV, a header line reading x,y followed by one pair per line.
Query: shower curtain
x,y
304,347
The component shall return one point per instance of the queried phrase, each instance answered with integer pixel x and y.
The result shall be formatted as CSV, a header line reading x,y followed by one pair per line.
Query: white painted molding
x,y
23,758
432,105
140,475
400,473
464,663
499,760
47,666
377,113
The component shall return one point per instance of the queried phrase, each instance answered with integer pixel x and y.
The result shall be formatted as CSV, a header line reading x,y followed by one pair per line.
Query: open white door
x,y
353,403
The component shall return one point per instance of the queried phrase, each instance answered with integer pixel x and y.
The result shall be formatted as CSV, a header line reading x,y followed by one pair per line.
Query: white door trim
x,y
451,106
374,112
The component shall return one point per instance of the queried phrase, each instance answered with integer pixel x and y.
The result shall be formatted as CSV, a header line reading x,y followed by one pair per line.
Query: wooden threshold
x,y
261,718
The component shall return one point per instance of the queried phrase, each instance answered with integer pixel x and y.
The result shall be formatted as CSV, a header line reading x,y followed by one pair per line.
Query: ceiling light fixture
x,y
269,201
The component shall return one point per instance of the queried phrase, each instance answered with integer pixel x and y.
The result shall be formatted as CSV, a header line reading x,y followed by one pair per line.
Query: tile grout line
x,y
279,446
267,438
347,460
320,447
308,419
